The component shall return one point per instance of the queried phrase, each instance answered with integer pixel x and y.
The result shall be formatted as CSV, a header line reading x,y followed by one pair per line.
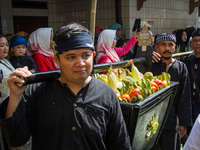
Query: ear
x,y
56,60
94,53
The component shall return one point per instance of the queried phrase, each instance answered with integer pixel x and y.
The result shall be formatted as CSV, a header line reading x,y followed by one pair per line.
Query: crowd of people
x,y
66,113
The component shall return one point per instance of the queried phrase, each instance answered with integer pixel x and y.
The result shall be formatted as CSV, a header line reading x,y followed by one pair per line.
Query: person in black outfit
x,y
180,114
193,65
18,46
79,113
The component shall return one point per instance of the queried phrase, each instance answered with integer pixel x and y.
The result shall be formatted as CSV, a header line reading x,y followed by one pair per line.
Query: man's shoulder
x,y
44,85
178,62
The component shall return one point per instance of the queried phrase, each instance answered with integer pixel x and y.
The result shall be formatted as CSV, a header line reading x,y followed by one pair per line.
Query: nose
x,y
80,61
167,47
6,46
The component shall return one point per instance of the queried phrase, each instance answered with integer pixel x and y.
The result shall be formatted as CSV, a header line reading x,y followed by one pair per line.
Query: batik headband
x,y
165,37
76,41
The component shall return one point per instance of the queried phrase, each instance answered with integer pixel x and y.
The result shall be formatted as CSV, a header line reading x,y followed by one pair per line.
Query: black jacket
x,y
20,62
192,61
181,112
59,120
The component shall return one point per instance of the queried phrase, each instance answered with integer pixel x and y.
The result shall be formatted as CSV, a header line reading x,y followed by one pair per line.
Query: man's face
x,y
195,44
166,49
75,65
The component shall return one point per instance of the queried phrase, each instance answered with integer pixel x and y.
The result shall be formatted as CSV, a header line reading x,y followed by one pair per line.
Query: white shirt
x,y
7,68
193,141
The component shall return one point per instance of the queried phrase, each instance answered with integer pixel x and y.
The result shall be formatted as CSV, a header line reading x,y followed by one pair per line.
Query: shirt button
x,y
74,105
73,128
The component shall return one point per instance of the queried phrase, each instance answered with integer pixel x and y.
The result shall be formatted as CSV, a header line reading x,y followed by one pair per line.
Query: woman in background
x,y
181,38
106,47
5,67
119,32
40,45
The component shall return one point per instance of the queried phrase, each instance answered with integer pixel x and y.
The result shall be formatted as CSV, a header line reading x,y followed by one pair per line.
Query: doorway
x,y
29,24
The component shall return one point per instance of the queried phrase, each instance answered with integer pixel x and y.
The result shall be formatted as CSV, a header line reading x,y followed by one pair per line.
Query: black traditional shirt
x,y
181,107
192,61
59,120
21,61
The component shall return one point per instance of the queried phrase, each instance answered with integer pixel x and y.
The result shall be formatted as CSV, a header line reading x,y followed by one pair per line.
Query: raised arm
x,y
128,46
16,90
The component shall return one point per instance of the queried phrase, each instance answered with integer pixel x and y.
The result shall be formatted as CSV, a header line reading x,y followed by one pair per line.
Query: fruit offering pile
x,y
132,86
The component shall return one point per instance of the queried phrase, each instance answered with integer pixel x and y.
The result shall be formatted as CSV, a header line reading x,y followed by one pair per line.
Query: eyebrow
x,y
85,52
168,42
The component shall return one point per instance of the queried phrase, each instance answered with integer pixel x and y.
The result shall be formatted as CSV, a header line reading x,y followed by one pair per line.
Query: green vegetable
x,y
102,77
128,83
152,127
136,98
135,73
112,80
148,75
144,93
148,83
143,84
123,74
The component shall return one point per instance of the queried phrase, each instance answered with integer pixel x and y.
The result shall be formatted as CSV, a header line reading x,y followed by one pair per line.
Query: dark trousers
x,y
168,140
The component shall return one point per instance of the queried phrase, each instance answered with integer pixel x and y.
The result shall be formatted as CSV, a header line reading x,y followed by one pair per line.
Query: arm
x,y
126,48
15,126
15,91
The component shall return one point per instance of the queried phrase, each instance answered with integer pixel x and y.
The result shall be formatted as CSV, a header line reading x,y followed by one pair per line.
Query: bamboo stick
x,y
93,18
182,54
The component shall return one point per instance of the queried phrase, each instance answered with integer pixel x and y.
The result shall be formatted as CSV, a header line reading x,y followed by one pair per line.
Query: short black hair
x,y
66,31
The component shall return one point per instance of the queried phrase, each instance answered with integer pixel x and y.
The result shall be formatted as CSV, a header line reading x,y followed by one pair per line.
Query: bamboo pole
x,y
93,18
181,54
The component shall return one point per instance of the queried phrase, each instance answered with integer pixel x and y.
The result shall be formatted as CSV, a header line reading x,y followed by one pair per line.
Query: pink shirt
x,y
120,51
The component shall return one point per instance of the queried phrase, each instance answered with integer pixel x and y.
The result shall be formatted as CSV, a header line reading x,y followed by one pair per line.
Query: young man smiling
x,y
180,114
74,112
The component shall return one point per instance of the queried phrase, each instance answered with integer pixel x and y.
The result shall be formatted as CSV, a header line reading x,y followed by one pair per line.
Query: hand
x,y
155,57
182,130
32,71
136,34
16,77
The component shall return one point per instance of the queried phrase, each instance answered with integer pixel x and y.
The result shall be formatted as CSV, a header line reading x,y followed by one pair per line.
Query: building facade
x,y
162,15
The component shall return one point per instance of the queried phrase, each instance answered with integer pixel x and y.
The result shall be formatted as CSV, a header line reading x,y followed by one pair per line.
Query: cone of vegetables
x,y
133,87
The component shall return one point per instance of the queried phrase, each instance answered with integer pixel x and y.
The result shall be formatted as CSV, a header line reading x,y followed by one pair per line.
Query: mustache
x,y
167,52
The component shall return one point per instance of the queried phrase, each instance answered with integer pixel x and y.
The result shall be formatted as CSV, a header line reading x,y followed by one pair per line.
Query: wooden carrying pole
x,y
93,18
